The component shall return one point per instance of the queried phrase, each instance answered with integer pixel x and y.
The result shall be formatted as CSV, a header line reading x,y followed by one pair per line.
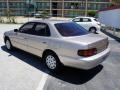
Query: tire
x,y
52,62
92,30
8,44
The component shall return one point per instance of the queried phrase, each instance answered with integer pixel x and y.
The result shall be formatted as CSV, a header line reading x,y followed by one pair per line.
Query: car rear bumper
x,y
86,63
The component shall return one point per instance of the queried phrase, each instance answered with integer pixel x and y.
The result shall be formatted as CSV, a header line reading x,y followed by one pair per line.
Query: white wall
x,y
110,18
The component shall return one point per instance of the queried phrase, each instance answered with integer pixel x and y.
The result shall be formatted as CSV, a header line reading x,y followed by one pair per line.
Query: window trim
x,y
33,28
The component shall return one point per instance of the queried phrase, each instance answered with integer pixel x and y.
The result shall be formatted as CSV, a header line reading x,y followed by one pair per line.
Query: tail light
x,y
87,52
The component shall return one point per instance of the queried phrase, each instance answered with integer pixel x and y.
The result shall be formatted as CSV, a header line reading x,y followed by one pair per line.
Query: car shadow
x,y
70,75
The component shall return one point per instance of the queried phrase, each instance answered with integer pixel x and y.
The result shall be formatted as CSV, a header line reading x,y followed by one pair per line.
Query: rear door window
x,y
42,29
86,20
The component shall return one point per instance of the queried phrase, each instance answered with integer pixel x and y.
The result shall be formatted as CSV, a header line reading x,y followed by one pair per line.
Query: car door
x,y
38,41
80,22
20,37
85,22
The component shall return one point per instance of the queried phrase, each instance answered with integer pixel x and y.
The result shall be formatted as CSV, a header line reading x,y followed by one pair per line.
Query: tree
x,y
9,15
92,13
115,2
1,20
45,14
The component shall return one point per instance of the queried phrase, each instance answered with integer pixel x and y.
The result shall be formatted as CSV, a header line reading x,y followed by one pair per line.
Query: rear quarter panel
x,y
66,49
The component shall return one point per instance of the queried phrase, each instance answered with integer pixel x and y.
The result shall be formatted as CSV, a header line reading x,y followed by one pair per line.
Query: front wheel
x,y
8,44
52,62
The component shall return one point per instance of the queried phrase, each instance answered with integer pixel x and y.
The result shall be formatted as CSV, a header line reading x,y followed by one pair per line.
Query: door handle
x,y
44,42
25,38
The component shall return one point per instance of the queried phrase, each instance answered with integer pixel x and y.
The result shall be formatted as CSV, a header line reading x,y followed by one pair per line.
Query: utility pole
x,y
34,3
86,7
28,8
110,2
8,6
62,8
50,8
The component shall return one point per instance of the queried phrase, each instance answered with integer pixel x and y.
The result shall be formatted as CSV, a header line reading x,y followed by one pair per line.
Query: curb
x,y
112,36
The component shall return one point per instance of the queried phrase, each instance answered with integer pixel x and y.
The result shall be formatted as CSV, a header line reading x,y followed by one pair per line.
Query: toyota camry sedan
x,y
59,43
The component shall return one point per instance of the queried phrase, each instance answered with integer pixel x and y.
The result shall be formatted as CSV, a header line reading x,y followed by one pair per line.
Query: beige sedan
x,y
59,43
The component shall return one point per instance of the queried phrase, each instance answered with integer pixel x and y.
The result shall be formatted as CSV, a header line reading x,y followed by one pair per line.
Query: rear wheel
x,y
92,30
52,62
8,44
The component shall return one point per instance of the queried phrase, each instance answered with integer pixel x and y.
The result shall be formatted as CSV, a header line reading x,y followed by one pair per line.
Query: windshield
x,y
70,29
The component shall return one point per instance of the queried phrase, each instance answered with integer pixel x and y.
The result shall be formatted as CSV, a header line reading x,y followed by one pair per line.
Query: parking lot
x,y
22,71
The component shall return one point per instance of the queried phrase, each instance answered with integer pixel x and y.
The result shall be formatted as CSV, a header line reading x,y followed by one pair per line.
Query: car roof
x,y
50,21
84,17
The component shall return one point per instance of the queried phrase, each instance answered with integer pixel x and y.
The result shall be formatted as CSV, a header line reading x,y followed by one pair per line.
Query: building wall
x,y
110,17
64,8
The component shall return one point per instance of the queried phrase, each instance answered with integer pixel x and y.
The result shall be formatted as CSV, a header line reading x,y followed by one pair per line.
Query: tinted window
x,y
76,20
85,20
70,29
27,28
42,29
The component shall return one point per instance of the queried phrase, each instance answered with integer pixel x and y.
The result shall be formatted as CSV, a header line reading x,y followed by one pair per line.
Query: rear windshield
x,y
70,29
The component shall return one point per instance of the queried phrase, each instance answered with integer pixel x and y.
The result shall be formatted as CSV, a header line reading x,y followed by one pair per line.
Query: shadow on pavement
x,y
70,75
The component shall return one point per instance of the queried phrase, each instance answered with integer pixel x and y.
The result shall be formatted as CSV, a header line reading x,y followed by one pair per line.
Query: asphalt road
x,y
22,71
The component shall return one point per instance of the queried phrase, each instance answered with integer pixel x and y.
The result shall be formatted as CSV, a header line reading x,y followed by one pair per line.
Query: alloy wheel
x,y
51,62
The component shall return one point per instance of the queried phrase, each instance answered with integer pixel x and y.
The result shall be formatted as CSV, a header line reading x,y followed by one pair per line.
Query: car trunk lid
x,y
91,41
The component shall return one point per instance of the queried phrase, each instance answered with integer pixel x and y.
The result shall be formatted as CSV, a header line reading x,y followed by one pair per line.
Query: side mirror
x,y
15,30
